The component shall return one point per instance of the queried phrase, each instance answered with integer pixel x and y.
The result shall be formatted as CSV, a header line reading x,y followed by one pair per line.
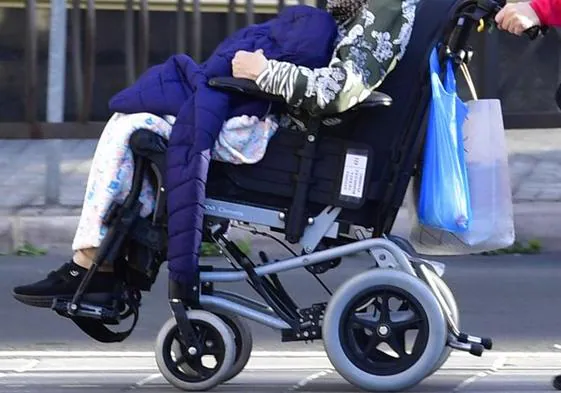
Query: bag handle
x,y
449,83
469,81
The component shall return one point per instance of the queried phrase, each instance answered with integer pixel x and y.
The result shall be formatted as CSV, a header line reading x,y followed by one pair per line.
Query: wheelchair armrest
x,y
243,86
375,98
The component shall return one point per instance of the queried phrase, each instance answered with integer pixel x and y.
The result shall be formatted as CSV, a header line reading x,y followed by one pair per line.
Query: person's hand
x,y
517,18
248,65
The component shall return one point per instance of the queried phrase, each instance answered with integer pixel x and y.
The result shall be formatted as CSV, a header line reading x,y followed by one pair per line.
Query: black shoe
x,y
557,382
63,283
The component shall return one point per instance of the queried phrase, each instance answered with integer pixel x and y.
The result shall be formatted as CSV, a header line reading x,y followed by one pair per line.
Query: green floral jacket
x,y
369,47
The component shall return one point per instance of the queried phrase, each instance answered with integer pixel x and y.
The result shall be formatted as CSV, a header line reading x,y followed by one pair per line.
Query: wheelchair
x,y
332,187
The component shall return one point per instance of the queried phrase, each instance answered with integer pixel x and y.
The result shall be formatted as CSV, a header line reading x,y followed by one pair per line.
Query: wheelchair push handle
x,y
535,32
532,33
485,11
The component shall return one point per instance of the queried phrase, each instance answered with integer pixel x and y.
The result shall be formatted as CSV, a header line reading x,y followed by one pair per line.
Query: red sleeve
x,y
549,11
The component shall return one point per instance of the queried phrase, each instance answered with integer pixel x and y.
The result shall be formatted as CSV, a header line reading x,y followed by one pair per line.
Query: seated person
x,y
373,37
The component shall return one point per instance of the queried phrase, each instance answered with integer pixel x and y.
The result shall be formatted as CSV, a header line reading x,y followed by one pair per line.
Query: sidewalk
x,y
535,160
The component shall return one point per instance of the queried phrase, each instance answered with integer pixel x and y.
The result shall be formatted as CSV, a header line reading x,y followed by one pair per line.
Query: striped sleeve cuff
x,y
264,79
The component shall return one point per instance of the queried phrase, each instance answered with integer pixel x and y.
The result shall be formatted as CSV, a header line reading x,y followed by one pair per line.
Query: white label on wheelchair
x,y
354,174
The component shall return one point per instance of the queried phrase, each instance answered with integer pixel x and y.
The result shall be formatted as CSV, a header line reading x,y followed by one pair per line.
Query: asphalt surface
x,y
513,299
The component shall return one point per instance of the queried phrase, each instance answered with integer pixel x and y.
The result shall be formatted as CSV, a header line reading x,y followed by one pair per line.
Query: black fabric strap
x,y
98,331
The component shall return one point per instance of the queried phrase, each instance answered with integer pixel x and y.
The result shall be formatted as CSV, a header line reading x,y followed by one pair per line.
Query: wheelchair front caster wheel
x,y
366,330
244,343
196,371
243,339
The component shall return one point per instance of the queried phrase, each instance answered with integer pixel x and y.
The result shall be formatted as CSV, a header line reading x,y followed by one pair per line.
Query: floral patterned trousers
x,y
243,140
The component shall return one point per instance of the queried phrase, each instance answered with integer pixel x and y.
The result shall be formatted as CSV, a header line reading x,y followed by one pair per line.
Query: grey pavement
x,y
535,162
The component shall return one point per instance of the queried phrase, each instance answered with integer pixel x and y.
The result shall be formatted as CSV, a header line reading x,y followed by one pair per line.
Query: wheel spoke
x,y
397,343
360,323
402,326
202,337
416,346
381,356
182,359
198,367
385,308
373,342
214,351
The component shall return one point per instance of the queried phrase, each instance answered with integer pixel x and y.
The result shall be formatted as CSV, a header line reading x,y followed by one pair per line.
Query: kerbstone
x,y
6,237
48,231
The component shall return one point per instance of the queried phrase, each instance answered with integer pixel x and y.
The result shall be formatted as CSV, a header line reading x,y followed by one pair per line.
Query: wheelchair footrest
x,y
107,315
92,317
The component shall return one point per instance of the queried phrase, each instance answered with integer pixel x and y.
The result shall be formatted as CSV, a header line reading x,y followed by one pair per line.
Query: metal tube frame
x,y
234,304
314,258
231,303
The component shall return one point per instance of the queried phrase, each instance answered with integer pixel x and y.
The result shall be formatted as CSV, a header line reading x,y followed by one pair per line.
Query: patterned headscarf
x,y
343,10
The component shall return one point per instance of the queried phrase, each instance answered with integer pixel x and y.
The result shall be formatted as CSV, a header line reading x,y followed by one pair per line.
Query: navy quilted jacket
x,y
301,34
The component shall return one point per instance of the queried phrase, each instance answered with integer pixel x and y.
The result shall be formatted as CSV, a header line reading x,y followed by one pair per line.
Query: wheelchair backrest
x,y
396,133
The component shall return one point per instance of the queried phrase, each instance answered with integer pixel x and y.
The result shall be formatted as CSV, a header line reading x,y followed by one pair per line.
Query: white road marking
x,y
470,380
28,366
149,378
495,367
310,378
498,364
77,385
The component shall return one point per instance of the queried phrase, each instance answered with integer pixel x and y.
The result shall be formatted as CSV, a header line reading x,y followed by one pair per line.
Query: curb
x,y
54,229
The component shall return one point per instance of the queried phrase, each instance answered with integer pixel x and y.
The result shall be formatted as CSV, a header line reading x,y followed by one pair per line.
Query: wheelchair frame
x,y
279,311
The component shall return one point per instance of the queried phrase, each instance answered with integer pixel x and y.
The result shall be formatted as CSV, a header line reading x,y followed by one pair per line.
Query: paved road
x,y
513,299
268,373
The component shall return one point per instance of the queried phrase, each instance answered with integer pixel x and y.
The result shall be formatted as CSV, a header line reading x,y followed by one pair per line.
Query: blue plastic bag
x,y
444,201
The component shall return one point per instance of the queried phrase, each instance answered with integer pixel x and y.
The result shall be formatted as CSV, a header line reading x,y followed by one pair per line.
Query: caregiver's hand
x,y
517,18
248,65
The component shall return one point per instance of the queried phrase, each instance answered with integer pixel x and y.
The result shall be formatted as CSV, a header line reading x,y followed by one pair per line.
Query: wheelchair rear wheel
x,y
186,371
365,326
